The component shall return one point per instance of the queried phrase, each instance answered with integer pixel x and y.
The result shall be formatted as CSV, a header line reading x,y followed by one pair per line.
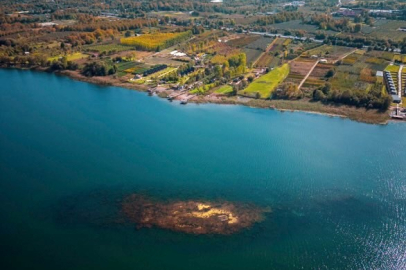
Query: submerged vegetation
x,y
195,217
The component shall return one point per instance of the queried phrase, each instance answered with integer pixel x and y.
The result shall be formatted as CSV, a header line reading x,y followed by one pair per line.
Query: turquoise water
x,y
70,150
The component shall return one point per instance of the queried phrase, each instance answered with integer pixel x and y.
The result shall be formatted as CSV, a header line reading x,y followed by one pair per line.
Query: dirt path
x,y
268,48
344,56
308,74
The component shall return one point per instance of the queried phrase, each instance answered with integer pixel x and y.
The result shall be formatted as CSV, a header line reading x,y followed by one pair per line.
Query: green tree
x,y
318,95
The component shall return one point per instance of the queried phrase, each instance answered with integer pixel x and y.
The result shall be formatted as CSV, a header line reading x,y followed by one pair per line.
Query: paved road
x,y
400,82
282,36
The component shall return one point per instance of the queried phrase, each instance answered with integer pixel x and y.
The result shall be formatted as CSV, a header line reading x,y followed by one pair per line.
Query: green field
x,y
70,57
107,48
252,55
224,90
123,67
267,83
392,68
260,44
385,29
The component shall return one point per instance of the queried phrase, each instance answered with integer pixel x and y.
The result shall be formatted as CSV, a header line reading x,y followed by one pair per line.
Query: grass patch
x,y
108,48
404,102
387,56
266,84
70,57
392,68
224,90
160,73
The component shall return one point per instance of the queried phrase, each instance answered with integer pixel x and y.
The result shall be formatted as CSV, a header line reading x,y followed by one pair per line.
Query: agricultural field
x,y
295,24
296,47
252,55
301,66
124,68
399,58
331,53
318,76
265,60
272,55
222,52
70,57
276,61
156,41
403,80
108,48
385,29
266,84
161,60
160,73
279,44
244,41
358,71
392,68
299,69
138,69
261,43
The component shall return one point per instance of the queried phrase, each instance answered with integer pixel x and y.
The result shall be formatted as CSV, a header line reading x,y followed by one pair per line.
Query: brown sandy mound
x,y
196,217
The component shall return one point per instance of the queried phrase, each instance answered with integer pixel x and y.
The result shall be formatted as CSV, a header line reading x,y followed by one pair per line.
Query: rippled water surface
x,y
69,151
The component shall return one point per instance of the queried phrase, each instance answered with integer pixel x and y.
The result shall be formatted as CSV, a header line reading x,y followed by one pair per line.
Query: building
x,y
396,99
177,54
348,12
390,85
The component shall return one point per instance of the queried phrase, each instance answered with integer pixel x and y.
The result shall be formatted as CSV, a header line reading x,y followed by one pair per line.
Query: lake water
x,y
69,151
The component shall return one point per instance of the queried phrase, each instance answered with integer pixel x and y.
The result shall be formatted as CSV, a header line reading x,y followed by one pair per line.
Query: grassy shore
x,y
356,114
353,113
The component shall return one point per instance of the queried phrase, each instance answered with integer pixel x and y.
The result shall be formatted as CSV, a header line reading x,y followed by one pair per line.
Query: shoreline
x,y
361,115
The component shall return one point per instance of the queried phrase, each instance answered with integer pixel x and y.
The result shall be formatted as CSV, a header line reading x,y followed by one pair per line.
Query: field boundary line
x,y
308,74
266,51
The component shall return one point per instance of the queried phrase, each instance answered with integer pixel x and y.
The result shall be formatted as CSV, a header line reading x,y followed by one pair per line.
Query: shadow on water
x,y
96,208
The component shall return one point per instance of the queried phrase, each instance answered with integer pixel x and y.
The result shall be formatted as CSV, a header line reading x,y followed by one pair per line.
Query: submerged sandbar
x,y
195,217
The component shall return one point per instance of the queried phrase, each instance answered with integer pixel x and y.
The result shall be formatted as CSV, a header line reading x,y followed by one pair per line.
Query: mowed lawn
x,y
267,83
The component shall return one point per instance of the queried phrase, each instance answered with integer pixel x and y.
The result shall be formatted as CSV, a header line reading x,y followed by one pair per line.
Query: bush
x,y
318,95
330,73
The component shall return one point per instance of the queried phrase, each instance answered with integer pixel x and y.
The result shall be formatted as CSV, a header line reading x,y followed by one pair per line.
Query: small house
x,y
396,99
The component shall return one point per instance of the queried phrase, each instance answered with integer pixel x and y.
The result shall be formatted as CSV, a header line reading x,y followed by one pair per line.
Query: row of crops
x,y
156,41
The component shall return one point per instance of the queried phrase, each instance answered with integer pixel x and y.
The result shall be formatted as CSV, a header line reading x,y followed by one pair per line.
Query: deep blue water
x,y
70,150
